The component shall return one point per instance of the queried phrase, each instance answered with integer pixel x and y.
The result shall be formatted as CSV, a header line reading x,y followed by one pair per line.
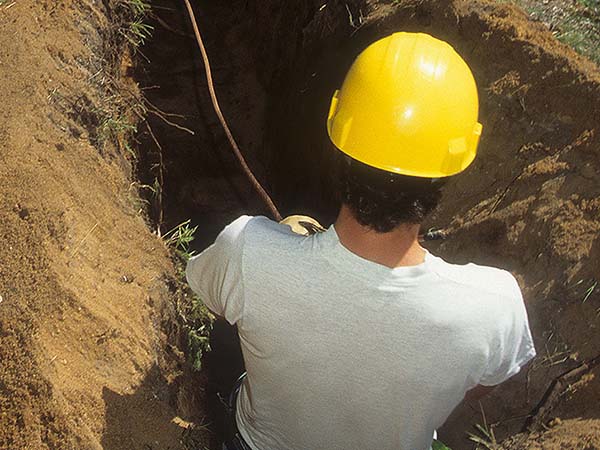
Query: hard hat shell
x,y
408,105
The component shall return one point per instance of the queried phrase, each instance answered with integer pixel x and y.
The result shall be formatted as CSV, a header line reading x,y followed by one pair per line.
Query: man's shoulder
x,y
482,278
256,229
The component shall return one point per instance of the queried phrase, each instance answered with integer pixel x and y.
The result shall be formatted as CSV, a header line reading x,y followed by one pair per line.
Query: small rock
x,y
60,147
127,278
75,132
555,422
24,214
21,211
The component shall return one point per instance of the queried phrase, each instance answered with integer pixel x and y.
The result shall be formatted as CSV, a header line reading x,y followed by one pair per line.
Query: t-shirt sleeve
x,y
216,274
512,345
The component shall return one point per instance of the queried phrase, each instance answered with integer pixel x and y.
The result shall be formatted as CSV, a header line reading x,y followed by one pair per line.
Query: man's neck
x,y
397,248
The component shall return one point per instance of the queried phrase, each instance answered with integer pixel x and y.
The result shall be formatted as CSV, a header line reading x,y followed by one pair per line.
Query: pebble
x,y
555,422
127,278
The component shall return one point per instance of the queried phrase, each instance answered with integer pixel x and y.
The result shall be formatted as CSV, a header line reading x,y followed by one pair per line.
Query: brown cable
x,y
213,96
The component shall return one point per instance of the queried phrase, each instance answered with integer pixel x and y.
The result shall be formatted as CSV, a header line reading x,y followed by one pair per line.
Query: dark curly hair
x,y
383,200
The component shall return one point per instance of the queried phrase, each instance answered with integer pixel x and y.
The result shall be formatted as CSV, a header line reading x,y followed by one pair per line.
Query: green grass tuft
x,y
437,445
138,32
134,29
198,323
196,317
112,127
180,238
138,7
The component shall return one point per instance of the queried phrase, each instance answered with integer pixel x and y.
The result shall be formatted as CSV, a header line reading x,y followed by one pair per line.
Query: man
x,y
357,337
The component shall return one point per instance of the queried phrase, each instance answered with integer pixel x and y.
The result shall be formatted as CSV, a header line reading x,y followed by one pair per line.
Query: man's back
x,y
345,353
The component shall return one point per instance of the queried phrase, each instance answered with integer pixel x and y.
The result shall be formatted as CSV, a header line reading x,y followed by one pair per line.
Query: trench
x,y
275,68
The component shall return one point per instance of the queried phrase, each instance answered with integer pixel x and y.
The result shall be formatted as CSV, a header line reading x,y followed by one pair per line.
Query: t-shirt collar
x,y
344,256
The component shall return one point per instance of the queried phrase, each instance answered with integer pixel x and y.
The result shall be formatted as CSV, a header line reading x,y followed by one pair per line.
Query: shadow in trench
x,y
201,179
224,364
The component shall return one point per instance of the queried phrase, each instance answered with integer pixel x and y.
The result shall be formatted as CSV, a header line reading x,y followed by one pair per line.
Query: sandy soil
x,y
83,282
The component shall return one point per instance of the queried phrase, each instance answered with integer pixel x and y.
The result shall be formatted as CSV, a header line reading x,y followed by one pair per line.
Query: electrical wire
x,y
213,96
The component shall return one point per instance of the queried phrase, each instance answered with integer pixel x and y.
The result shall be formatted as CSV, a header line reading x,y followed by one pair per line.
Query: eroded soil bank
x,y
529,204
90,347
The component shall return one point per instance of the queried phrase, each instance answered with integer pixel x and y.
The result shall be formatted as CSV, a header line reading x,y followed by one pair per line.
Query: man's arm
x,y
511,346
216,274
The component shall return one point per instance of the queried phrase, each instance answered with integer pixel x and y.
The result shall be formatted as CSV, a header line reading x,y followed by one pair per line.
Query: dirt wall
x,y
88,355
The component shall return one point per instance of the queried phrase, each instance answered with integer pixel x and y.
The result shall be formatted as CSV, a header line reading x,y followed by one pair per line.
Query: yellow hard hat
x,y
408,105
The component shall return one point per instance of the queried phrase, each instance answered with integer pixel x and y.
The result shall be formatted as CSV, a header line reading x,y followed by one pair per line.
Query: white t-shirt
x,y
344,353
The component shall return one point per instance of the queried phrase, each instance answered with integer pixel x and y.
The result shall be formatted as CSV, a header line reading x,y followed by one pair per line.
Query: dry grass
x,y
574,22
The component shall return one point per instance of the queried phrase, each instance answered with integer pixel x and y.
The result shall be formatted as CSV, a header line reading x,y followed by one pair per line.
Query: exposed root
x,y
255,183
555,392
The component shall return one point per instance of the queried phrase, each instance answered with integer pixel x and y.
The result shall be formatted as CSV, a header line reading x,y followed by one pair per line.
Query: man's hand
x,y
303,225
